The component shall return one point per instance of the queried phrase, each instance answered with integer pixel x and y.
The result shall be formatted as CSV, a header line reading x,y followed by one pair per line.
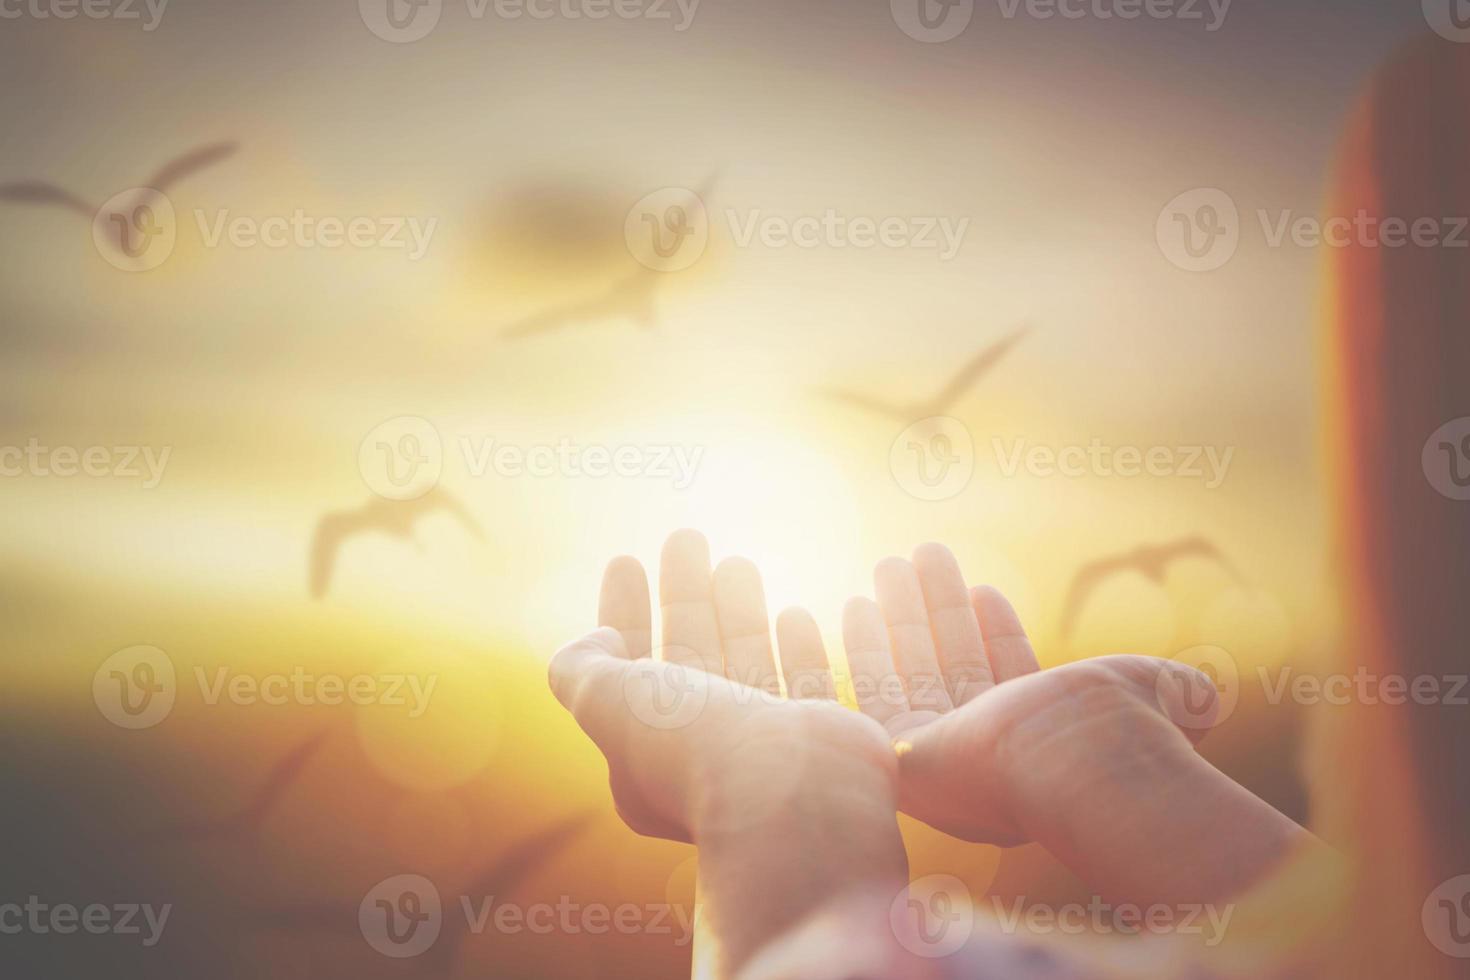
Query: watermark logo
x,y
1446,917
679,465
832,229
1450,19
1199,230
1101,918
41,918
400,21
1208,464
301,687
933,916
666,695
402,459
90,9
136,229
668,230
1446,459
406,21
38,460
1364,687
933,459
410,234
1180,10
401,916
135,688
933,21
1200,688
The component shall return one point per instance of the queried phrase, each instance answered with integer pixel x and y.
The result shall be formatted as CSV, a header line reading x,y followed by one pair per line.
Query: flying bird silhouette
x,y
496,881
500,878
976,368
1151,561
42,193
395,517
633,297
249,819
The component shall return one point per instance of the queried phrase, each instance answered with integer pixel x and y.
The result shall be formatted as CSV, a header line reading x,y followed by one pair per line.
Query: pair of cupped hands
x,y
957,724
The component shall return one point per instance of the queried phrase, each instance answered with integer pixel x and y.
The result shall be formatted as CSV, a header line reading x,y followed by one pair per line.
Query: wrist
x,y
1119,756
795,770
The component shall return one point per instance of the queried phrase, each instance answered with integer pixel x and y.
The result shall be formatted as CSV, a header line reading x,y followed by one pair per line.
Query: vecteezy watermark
x,y
137,688
1209,464
668,230
677,464
1446,917
34,459
138,229
300,230
933,917
406,21
403,916
148,12
1199,689
937,21
668,695
1450,19
39,918
832,229
1101,918
1363,686
1200,230
933,459
302,687
1446,459
404,458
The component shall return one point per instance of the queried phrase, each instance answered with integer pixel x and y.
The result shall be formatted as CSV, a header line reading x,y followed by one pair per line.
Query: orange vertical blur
x,y
1399,356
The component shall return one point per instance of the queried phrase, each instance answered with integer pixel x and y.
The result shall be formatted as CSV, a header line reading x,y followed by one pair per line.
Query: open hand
x,y
700,738
990,745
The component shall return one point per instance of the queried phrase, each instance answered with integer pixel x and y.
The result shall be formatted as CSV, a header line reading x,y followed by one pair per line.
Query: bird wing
x,y
40,192
706,189
975,369
1203,547
285,772
192,162
509,871
194,830
441,499
617,299
331,530
1087,578
554,318
281,776
862,401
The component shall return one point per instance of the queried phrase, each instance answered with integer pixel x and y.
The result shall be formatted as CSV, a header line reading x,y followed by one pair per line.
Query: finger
x,y
691,630
1006,643
745,626
952,623
587,678
803,658
624,605
879,690
902,600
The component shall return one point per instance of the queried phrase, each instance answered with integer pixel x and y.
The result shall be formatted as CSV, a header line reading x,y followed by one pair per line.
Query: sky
x,y
519,151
